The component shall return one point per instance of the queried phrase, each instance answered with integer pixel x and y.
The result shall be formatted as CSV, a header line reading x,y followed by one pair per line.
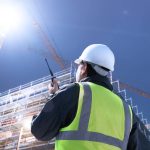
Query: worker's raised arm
x,y
53,116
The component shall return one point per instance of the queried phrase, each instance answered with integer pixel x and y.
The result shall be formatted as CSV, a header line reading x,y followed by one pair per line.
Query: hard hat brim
x,y
78,61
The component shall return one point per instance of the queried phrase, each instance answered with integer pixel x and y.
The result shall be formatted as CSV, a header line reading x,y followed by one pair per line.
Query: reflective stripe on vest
x,y
84,135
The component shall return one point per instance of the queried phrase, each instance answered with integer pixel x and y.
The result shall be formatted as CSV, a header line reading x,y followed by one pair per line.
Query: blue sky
x,y
72,25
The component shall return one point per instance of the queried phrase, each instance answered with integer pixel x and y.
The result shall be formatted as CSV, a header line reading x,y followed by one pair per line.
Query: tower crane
x,y
135,90
48,44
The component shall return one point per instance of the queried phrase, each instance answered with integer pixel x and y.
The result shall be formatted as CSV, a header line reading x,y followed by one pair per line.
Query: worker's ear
x,y
84,70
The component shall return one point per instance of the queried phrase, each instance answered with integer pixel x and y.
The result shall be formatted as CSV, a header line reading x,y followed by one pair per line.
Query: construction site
x,y
18,105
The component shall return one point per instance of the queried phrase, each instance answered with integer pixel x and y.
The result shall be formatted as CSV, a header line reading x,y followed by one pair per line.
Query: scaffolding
x,y
19,105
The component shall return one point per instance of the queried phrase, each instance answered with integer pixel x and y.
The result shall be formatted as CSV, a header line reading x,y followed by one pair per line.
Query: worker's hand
x,y
53,87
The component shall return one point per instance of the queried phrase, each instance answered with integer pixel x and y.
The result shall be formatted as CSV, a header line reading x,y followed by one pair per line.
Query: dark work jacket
x,y
61,108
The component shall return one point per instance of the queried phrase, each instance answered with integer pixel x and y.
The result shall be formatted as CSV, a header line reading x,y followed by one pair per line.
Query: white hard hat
x,y
98,54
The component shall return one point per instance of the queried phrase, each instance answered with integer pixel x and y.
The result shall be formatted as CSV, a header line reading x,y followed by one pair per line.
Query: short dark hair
x,y
90,70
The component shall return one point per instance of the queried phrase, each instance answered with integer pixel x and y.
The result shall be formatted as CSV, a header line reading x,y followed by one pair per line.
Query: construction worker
x,y
87,114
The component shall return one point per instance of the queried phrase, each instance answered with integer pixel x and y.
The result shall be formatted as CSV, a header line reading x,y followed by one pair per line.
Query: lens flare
x,y
10,18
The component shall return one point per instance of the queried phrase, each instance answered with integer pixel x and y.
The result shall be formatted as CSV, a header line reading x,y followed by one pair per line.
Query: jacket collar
x,y
100,80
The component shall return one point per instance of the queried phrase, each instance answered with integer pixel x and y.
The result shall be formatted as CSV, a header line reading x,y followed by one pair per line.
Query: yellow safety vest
x,y
102,122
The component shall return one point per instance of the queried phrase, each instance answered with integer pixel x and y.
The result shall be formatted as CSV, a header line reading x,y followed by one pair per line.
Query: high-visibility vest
x,y
102,122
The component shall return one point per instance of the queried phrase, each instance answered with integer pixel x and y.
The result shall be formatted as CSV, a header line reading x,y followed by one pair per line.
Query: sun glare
x,y
10,18
27,123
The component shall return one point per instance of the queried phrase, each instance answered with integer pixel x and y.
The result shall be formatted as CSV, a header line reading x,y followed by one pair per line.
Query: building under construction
x,y
18,105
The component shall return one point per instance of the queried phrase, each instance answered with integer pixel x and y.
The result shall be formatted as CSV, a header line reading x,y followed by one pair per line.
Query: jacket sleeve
x,y
137,139
58,112
133,137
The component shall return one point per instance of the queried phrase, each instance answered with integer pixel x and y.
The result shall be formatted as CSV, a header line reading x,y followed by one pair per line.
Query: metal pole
x,y
20,134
